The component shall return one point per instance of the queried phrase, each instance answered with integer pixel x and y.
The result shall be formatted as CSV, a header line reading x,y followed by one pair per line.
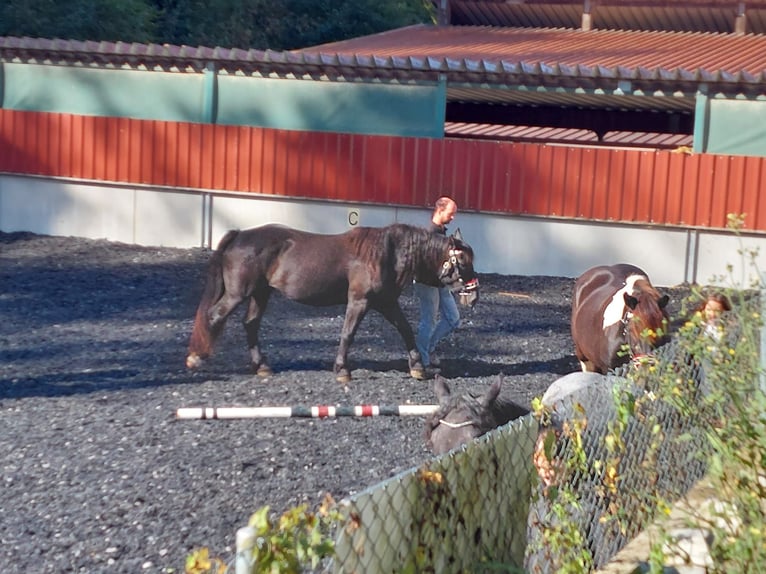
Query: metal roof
x,y
567,136
608,61
558,51
671,15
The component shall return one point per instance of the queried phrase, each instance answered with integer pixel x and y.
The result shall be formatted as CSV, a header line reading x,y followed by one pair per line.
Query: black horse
x,y
365,268
462,418
614,306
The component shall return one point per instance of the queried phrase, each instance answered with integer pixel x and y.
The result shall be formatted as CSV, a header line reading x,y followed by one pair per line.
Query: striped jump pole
x,y
316,412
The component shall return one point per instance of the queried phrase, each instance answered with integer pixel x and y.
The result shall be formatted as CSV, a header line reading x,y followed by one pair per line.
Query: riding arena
x,y
207,303
94,373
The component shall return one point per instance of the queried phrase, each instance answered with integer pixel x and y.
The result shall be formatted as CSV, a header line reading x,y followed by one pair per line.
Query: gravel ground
x,y
99,476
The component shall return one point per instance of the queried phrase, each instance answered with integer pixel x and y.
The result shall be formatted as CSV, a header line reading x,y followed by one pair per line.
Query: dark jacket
x,y
440,229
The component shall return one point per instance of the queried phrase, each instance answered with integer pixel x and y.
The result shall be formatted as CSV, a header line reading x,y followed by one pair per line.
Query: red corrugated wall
x,y
656,187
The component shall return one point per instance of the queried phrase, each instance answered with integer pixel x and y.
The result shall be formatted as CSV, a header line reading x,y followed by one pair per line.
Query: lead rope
x,y
625,334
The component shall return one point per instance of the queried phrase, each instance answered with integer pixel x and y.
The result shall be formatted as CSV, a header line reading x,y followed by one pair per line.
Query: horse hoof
x,y
419,374
343,377
264,371
193,361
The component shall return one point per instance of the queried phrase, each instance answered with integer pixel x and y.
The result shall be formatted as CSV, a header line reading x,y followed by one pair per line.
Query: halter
x,y
450,267
626,318
456,425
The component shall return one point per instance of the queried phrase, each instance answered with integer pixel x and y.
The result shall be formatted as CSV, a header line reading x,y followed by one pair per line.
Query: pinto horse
x,y
462,418
615,306
365,268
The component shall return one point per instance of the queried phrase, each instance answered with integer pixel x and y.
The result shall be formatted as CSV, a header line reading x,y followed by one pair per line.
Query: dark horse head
x,y
462,418
457,270
616,307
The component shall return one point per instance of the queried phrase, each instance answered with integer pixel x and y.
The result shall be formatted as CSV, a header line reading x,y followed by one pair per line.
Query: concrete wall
x,y
507,245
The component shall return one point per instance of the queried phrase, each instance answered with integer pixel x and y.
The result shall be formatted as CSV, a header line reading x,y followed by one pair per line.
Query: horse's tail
x,y
202,337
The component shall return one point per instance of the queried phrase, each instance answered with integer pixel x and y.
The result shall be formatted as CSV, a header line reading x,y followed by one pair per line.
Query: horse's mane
x,y
408,249
405,239
410,238
415,245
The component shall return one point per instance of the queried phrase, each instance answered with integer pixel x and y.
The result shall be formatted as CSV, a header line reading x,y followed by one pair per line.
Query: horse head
x,y
458,273
614,307
462,418
646,320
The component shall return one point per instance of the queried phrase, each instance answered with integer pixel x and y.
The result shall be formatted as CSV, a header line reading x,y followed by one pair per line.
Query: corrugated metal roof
x,y
564,52
567,136
605,69
670,15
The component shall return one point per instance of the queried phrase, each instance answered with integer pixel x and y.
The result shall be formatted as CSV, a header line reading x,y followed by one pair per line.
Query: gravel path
x,y
99,476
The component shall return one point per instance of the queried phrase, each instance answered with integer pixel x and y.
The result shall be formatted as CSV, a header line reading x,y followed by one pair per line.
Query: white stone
x,y
689,547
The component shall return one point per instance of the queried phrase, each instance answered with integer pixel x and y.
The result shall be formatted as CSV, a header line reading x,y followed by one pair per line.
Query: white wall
x,y
142,216
507,245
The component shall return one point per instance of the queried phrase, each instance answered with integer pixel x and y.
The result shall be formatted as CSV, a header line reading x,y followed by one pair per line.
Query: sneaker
x,y
435,361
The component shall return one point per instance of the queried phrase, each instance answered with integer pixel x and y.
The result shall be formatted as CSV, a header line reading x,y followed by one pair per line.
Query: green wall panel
x,y
124,93
736,127
369,108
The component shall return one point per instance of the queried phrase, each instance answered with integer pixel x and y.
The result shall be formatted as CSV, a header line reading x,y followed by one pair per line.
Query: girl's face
x,y
713,310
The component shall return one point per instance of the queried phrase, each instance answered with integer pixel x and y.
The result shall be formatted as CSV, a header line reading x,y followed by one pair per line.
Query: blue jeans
x,y
434,302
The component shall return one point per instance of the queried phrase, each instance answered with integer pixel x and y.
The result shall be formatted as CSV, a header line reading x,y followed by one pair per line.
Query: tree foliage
x,y
129,20
262,24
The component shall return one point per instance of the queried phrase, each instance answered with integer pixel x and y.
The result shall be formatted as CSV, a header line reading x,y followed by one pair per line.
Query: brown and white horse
x,y
614,306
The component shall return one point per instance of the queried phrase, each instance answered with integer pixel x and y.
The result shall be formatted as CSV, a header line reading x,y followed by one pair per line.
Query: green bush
x,y
733,415
297,540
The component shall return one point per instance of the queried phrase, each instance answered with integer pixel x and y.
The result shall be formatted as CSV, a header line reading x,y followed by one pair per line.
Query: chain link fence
x,y
485,508
453,513
635,451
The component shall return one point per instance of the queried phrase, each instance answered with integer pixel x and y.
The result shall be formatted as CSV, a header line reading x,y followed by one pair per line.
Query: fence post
x,y
245,542
210,94
762,359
